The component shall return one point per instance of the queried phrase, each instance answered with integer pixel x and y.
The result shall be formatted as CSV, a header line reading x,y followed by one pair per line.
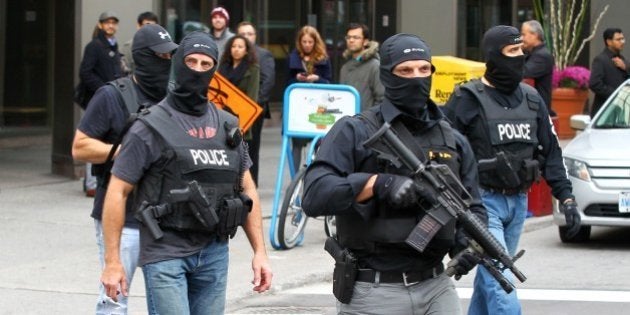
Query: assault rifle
x,y
448,191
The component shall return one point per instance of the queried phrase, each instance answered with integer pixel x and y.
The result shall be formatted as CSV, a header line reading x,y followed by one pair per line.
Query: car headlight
x,y
577,169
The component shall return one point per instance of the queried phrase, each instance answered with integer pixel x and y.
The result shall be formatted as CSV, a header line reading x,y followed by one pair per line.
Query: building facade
x,y
43,40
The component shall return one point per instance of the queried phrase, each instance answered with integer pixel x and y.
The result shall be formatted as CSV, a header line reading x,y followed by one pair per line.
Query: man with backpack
x,y
105,121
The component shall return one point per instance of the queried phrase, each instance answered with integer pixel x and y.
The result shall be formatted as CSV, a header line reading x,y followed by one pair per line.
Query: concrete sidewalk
x,y
49,261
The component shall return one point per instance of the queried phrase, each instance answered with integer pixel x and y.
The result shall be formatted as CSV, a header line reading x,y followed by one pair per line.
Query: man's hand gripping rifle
x,y
450,205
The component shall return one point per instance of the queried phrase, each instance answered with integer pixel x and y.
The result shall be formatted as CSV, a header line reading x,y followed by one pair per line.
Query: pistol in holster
x,y
345,273
502,167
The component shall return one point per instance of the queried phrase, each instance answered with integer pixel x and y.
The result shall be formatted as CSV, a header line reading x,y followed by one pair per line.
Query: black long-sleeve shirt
x,y
539,66
267,74
465,114
343,166
606,77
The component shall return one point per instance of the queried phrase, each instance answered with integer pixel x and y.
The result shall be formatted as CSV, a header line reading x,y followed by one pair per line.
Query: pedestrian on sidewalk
x,y
100,64
102,126
308,63
144,18
267,81
609,69
361,68
192,191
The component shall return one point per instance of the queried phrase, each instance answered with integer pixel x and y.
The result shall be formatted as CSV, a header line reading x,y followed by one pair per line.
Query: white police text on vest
x,y
210,157
514,131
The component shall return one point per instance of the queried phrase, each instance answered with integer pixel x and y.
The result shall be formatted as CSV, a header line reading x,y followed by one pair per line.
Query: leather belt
x,y
407,278
505,191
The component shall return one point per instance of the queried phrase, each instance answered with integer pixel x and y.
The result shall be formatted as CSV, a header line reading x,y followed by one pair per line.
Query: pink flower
x,y
571,77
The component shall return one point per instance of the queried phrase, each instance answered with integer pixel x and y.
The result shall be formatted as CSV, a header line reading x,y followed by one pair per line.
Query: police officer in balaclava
x,y
376,203
193,67
151,52
103,124
190,171
502,116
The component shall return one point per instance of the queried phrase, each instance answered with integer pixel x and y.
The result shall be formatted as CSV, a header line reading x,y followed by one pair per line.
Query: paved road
x,y
584,279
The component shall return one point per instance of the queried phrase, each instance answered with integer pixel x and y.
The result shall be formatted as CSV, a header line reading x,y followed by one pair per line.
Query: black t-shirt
x,y
140,149
104,119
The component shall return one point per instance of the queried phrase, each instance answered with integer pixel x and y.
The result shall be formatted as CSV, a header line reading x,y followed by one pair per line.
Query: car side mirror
x,y
579,122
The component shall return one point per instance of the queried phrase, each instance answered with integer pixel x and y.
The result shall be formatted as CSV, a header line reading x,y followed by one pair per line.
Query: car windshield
x,y
617,113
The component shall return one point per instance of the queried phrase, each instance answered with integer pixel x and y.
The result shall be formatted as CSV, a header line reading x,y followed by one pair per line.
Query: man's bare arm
x,y
253,229
113,221
87,149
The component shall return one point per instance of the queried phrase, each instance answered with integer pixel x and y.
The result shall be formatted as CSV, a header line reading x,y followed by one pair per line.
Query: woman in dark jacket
x,y
308,63
240,66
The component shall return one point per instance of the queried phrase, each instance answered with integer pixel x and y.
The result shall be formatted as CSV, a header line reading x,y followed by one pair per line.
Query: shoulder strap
x,y
126,93
127,96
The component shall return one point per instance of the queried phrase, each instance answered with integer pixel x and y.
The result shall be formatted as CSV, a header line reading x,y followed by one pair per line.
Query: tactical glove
x,y
462,263
400,191
572,217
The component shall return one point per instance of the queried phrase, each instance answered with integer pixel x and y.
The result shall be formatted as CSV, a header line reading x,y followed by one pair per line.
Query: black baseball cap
x,y
155,37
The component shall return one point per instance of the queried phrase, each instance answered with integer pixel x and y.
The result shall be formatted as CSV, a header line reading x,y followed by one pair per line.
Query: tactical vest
x,y
510,130
214,164
387,231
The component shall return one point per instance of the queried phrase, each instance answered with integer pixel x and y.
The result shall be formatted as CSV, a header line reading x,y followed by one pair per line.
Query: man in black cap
x,y
101,63
103,125
189,168
376,204
502,117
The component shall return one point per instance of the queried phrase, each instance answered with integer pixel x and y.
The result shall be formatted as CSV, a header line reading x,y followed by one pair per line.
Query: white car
x,y
598,164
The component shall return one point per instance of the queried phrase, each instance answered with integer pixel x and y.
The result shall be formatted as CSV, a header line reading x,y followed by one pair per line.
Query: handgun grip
x,y
148,219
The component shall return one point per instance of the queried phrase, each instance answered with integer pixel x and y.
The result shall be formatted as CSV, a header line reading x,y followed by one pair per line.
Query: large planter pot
x,y
567,102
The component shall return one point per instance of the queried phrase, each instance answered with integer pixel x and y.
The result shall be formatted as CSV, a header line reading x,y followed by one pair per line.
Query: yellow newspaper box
x,y
450,71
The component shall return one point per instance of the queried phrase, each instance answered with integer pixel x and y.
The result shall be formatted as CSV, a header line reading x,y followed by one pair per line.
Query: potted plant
x,y
569,96
563,22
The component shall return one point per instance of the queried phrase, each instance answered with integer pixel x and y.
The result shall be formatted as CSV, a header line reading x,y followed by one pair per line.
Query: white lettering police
x,y
514,131
210,157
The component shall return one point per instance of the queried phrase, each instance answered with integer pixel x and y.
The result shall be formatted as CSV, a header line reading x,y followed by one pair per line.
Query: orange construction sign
x,y
230,98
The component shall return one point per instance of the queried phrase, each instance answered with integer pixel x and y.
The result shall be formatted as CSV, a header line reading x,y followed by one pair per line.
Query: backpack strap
x,y
128,98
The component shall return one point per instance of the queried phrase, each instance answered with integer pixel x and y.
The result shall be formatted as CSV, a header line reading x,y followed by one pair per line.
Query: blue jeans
x,y
129,250
506,216
90,180
194,284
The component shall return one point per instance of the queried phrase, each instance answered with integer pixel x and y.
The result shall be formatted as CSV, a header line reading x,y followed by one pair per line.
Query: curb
x,y
537,223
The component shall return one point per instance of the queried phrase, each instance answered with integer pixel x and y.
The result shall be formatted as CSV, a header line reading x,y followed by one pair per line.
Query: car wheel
x,y
582,236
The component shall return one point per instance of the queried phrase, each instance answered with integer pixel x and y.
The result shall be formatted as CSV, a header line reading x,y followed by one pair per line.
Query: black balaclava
x,y
188,91
410,95
503,72
151,72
